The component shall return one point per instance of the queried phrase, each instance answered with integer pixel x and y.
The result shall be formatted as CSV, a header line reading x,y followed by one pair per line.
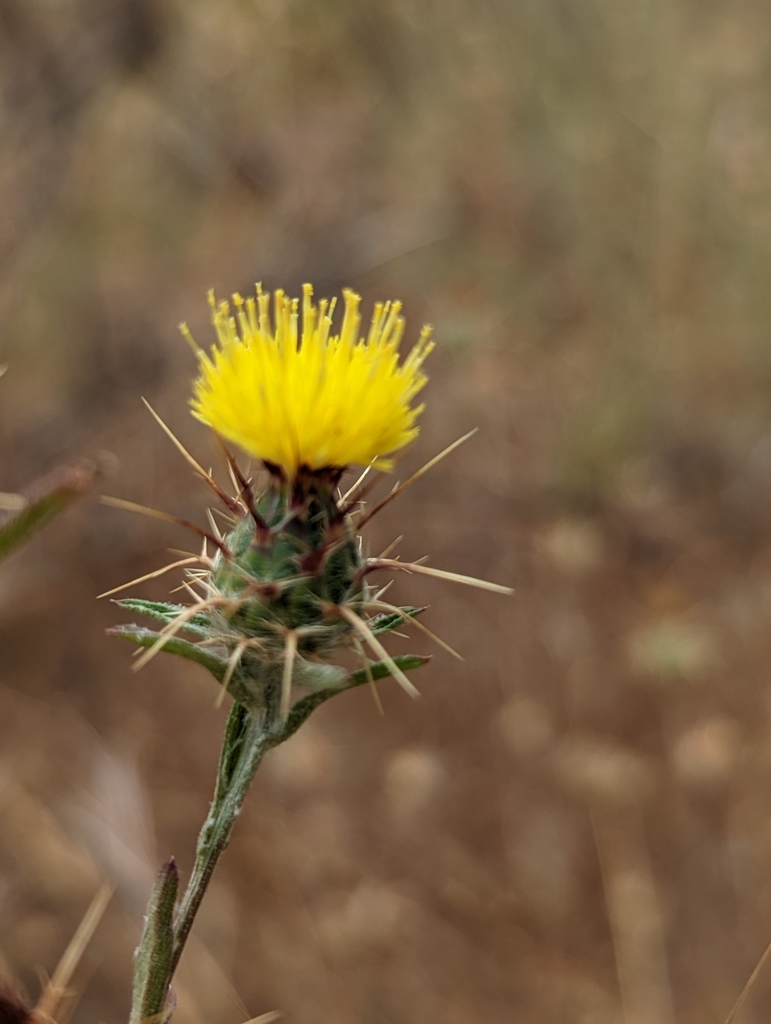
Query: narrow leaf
x,y
141,637
305,707
45,500
390,620
318,675
164,612
380,670
232,744
152,971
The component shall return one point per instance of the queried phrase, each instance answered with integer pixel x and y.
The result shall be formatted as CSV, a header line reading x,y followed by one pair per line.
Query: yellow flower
x,y
294,394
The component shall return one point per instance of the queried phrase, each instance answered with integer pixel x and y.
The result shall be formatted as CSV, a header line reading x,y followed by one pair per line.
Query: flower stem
x,y
249,734
246,742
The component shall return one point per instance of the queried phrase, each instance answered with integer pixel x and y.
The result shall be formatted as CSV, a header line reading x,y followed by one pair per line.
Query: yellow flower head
x,y
296,395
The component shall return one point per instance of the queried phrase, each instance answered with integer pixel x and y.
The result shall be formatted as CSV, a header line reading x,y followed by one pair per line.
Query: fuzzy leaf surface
x,y
390,620
318,675
142,637
305,707
152,972
164,612
46,500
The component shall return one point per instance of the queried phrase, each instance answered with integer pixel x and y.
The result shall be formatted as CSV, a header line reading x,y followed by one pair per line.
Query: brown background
x,y
574,825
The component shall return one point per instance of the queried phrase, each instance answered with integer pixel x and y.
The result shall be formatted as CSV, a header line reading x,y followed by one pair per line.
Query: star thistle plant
x,y
278,598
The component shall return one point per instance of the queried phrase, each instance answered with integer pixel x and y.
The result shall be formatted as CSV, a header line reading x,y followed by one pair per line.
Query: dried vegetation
x,y
575,824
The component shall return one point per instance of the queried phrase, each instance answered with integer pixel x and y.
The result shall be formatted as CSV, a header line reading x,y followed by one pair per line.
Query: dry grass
x,y
574,825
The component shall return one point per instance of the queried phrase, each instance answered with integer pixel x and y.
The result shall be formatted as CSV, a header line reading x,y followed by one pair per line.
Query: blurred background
x,y
573,825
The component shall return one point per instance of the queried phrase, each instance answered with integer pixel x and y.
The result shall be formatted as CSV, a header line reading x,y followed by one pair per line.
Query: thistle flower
x,y
285,590
297,396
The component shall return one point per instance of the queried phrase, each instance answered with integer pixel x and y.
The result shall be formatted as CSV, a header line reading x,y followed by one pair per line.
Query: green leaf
x,y
199,625
305,707
318,675
243,685
152,970
390,620
141,637
381,670
235,734
164,612
47,499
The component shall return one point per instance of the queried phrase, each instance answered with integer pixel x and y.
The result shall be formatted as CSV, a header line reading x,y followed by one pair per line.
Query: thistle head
x,y
286,591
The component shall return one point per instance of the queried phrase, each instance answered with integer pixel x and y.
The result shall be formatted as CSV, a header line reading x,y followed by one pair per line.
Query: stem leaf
x,y
164,612
153,962
391,620
141,637
46,500
305,707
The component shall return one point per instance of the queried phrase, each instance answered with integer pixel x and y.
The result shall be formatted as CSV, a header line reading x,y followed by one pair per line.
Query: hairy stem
x,y
249,735
246,742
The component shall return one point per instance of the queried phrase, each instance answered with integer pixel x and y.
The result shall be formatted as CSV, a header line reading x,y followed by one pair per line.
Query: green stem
x,y
246,742
249,735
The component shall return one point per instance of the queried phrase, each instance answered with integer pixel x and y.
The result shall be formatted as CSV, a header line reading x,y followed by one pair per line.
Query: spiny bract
x,y
291,577
283,595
